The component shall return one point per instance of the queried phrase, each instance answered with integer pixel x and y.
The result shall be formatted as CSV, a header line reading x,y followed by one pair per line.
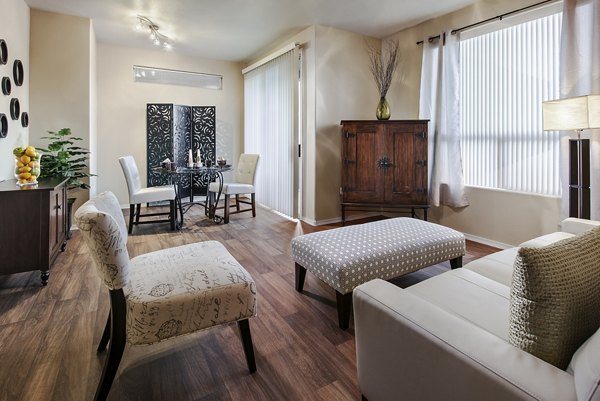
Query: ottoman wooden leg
x,y
456,263
300,276
344,304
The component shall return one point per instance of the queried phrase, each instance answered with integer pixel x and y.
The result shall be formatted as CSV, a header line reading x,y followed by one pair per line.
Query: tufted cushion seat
x,y
151,194
346,257
180,290
349,256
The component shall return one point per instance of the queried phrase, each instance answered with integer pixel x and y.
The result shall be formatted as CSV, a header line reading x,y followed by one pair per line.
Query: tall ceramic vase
x,y
383,110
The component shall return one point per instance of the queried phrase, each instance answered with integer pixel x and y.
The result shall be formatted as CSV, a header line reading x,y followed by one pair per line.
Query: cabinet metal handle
x,y
384,162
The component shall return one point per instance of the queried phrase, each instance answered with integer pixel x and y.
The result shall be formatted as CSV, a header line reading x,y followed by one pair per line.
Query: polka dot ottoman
x,y
349,256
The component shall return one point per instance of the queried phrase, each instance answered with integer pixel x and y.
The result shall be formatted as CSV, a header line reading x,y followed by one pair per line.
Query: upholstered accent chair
x,y
162,294
243,183
139,195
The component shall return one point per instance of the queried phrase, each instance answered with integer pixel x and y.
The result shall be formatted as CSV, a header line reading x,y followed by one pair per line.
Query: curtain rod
x,y
274,55
501,16
498,17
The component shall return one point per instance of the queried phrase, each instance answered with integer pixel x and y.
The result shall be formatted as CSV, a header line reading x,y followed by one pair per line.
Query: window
x,y
505,75
270,116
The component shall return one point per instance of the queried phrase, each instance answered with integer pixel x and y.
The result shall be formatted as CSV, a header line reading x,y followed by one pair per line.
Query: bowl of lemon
x,y
27,165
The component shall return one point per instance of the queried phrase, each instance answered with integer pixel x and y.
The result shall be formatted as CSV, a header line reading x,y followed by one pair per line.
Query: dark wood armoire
x,y
384,166
171,131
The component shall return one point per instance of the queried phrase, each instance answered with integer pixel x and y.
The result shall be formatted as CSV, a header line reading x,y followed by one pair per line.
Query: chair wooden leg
x,y
172,215
253,205
105,335
138,213
131,214
227,208
300,276
117,344
247,343
344,304
237,202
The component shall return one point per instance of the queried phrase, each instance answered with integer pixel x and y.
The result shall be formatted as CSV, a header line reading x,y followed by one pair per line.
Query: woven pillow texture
x,y
555,297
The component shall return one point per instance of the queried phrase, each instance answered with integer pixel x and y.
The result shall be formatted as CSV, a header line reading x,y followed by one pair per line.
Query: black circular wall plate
x,y
3,52
6,86
15,108
18,72
3,126
25,119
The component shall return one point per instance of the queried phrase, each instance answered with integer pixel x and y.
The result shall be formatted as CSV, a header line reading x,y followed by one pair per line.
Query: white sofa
x,y
446,338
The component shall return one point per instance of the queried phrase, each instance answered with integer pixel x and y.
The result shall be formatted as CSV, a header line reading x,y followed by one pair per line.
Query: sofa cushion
x,y
497,266
585,367
555,297
470,296
546,239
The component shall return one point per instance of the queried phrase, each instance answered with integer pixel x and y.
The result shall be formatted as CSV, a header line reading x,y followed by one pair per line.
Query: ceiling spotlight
x,y
155,36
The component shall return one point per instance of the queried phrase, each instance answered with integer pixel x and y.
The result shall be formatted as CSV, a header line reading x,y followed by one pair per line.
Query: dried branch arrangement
x,y
382,63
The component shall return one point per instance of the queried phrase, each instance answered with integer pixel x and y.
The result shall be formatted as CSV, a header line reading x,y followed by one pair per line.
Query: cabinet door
x,y
406,179
57,218
361,177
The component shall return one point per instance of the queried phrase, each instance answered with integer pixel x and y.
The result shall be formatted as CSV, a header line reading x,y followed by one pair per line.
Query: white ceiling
x,y
236,30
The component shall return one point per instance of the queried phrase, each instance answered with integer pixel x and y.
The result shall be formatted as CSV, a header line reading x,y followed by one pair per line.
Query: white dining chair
x,y
242,184
139,195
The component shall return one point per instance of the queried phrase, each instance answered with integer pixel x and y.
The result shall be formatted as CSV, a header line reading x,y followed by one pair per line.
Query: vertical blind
x,y
269,105
505,75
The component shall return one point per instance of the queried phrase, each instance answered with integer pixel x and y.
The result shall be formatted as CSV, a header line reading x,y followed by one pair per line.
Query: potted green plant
x,y
63,158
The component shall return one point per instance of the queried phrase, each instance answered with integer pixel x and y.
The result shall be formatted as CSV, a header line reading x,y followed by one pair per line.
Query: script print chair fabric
x,y
139,195
162,294
243,184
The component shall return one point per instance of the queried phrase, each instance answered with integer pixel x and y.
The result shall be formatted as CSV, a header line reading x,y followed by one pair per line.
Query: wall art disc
x,y
6,85
25,119
3,126
3,52
15,108
18,72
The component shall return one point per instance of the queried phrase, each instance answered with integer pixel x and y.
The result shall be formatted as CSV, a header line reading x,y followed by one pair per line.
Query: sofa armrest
x,y
411,349
574,225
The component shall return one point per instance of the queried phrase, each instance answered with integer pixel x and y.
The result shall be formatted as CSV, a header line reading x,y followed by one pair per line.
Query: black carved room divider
x,y
172,130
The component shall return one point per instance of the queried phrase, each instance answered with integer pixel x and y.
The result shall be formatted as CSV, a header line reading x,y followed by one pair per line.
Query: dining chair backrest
x,y
246,168
132,175
102,224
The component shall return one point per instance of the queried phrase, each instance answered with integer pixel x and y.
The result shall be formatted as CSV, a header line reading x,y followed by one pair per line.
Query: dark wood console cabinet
x,y
32,226
384,166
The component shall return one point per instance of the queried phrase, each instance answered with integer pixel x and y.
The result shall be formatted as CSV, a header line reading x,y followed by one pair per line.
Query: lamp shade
x,y
582,112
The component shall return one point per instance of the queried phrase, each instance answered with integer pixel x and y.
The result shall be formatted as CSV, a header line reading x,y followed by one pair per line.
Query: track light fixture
x,y
155,36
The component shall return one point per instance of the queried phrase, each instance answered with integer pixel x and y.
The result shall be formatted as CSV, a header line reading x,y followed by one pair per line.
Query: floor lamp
x,y
576,113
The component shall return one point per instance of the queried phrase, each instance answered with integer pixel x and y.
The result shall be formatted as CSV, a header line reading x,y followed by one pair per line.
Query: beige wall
x,y
499,216
61,97
345,91
93,137
122,107
14,29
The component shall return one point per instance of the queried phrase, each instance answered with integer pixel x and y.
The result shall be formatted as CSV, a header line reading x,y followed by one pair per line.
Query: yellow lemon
x,y
24,176
20,164
30,151
32,178
24,169
31,164
25,159
22,181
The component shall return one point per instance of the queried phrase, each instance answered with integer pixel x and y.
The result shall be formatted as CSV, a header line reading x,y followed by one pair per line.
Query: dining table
x,y
207,174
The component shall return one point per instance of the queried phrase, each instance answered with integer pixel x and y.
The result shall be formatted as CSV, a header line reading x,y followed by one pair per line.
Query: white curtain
x,y
269,115
440,103
580,75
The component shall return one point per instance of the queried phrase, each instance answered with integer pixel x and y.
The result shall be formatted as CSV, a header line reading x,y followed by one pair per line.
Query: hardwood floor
x,y
49,335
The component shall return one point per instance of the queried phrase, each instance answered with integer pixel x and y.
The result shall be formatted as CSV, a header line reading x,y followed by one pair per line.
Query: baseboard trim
x,y
488,242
